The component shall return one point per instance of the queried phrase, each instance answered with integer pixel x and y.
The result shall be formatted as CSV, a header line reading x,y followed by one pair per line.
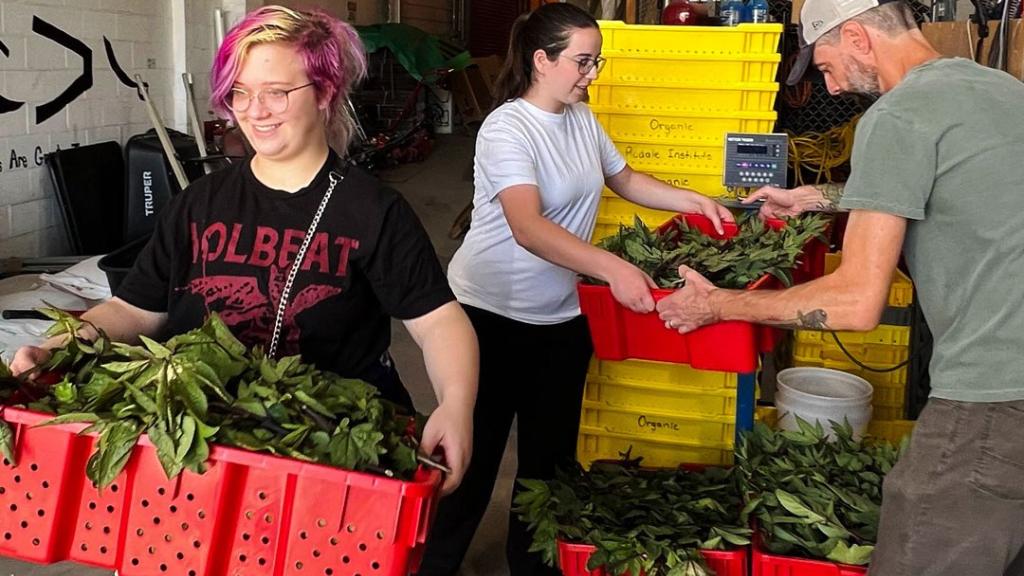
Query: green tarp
x,y
421,54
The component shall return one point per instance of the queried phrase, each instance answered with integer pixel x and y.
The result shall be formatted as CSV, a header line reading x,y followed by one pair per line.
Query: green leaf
x,y
69,418
224,337
187,432
141,398
356,447
157,349
186,387
312,403
115,446
856,555
165,449
7,443
296,436
252,406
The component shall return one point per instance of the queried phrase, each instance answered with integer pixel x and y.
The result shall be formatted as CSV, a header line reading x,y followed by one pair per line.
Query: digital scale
x,y
755,160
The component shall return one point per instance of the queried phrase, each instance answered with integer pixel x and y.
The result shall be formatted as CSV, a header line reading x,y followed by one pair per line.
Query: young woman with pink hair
x,y
294,248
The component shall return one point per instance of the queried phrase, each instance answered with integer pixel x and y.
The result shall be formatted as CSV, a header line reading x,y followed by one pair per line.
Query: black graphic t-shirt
x,y
227,242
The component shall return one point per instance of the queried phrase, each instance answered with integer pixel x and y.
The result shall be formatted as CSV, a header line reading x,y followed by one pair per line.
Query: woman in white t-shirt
x,y
541,163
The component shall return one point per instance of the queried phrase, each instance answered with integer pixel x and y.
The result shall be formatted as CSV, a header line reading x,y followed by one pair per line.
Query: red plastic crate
x,y
618,333
572,559
249,513
766,564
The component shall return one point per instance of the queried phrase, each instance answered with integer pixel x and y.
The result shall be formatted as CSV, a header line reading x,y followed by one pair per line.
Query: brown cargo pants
x,y
954,504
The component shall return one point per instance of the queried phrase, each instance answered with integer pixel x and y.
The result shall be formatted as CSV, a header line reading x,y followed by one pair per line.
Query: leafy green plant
x,y
641,521
812,496
205,387
735,262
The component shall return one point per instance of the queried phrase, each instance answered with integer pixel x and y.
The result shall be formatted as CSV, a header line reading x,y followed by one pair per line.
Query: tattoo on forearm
x,y
813,320
831,194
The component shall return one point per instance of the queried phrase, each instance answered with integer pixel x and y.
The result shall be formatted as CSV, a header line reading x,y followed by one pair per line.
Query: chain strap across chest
x,y
297,263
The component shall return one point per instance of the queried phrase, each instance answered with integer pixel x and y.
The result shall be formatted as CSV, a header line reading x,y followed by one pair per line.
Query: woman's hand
x,y
630,286
28,359
450,428
712,210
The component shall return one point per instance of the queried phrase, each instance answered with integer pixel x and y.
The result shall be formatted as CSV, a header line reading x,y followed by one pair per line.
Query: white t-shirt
x,y
567,156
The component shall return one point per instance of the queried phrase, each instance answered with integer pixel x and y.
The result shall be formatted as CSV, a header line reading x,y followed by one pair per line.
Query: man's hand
x,y
689,307
631,287
450,427
778,202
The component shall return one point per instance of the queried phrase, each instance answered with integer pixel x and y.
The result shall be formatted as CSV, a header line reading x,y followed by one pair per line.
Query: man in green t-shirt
x,y
937,172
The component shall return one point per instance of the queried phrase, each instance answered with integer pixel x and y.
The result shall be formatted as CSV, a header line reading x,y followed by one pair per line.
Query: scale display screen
x,y
755,160
751,149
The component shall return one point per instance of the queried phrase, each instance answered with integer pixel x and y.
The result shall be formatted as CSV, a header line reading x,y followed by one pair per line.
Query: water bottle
x,y
758,11
732,12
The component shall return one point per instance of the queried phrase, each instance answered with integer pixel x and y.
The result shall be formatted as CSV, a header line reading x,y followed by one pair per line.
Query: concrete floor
x,y
437,189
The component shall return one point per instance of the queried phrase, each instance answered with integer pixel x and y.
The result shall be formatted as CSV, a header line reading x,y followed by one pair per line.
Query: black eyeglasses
x,y
586,63
273,99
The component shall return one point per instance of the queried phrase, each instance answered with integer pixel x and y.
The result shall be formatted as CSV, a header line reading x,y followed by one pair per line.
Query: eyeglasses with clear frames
x,y
273,99
586,63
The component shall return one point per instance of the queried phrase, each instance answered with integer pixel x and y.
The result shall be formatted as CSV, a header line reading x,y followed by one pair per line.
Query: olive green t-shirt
x,y
945,149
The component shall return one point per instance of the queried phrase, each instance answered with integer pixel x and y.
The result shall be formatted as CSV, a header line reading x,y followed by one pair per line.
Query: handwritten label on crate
x,y
670,127
652,425
665,153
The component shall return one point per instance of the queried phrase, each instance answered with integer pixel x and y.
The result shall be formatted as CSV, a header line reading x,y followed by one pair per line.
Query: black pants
x,y
532,372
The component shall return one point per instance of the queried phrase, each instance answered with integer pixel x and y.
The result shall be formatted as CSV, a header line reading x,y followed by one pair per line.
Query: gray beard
x,y
862,78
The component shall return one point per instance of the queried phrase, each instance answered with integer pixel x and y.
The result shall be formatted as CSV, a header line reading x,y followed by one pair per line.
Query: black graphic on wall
x,y
84,80
5,104
80,85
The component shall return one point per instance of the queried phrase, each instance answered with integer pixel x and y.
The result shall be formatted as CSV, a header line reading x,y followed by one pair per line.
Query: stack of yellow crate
x,y
884,347
668,95
667,413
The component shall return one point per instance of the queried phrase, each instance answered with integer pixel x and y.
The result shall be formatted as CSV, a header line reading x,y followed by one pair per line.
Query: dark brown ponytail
x,y
547,28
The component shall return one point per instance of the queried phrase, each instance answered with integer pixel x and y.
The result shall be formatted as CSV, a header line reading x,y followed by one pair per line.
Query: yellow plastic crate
x,y
660,98
892,430
669,398
645,156
690,40
886,379
662,374
874,355
767,414
618,209
603,229
712,431
887,412
883,335
901,291
596,444
707,183
880,348
695,128
723,69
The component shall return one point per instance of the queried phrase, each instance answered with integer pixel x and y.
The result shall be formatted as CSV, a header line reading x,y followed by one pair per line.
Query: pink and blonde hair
x,y
331,50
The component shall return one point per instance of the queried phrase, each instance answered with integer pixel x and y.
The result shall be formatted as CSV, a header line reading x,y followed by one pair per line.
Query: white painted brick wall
x,y
37,70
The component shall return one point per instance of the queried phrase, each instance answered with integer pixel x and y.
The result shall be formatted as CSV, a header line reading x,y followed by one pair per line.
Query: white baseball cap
x,y
817,17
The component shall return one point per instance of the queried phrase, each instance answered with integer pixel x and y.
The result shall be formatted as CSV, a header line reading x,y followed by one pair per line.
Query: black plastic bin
x,y
116,264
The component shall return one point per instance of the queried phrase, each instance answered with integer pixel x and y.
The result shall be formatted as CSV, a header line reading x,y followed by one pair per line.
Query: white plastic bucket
x,y
823,394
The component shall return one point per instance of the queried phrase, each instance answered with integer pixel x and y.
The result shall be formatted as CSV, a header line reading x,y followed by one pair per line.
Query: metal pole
x,y
161,132
193,116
